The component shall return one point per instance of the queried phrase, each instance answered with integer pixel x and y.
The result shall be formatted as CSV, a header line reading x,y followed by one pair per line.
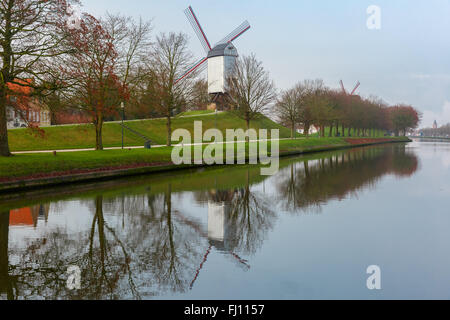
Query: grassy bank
x,y
195,113
38,166
83,136
353,133
215,177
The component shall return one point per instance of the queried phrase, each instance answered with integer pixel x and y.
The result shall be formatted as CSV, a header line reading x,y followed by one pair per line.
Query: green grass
x,y
306,144
31,164
353,132
22,165
83,136
195,113
215,177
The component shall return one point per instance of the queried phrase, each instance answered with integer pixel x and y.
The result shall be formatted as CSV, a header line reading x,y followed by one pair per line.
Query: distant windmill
x,y
220,59
354,90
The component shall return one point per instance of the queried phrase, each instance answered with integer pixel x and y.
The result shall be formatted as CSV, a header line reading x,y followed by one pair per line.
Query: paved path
x,y
128,121
138,147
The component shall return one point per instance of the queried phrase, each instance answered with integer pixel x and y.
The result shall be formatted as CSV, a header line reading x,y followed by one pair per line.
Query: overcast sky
x,y
406,61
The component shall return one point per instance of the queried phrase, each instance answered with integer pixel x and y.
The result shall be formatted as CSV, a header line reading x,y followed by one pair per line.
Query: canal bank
x,y
274,229
23,172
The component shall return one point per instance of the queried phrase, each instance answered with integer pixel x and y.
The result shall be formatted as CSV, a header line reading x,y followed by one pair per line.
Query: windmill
x,y
217,234
220,59
354,90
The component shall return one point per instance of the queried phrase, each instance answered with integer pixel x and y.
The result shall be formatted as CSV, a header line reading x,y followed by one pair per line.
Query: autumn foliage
x,y
91,70
312,103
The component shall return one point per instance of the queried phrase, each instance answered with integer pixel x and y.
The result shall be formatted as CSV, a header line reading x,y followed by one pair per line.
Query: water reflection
x,y
29,216
6,282
151,236
307,185
239,218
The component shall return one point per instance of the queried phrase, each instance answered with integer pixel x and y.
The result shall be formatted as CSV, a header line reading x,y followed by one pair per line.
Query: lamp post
x,y
216,116
215,141
122,106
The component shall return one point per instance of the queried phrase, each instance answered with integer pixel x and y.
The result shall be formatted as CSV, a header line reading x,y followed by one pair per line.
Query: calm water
x,y
309,232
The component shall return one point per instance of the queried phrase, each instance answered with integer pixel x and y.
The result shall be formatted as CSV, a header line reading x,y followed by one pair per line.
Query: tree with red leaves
x,y
350,115
403,117
32,32
91,71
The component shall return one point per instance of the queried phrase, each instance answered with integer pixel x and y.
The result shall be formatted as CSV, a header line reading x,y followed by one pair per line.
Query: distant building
x,y
23,109
312,130
435,125
71,117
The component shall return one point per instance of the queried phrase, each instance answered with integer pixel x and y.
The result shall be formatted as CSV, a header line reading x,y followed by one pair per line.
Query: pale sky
x,y
406,61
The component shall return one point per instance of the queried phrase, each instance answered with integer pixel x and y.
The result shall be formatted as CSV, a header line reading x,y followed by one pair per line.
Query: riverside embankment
x,y
39,170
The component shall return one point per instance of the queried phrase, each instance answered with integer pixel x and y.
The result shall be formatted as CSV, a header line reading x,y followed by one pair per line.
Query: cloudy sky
x,y
406,61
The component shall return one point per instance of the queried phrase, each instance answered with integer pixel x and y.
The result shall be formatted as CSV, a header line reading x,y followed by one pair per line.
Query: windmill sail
x,y
236,33
342,86
197,28
198,66
356,88
215,57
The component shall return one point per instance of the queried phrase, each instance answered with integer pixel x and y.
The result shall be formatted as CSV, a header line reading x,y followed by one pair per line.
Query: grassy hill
x,y
83,136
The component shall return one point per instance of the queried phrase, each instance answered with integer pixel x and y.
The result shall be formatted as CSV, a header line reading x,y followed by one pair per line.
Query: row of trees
x,y
311,103
443,131
93,65
113,61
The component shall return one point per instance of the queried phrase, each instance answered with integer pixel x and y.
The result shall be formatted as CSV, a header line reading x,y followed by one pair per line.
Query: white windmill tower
x,y
220,59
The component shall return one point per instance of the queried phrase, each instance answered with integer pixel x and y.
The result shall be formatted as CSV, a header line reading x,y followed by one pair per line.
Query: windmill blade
x,y
356,88
236,33
197,273
197,28
342,87
198,66
242,263
201,68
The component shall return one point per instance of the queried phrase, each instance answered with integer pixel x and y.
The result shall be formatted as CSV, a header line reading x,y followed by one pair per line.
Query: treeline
x,y
337,113
338,176
83,66
443,131
98,69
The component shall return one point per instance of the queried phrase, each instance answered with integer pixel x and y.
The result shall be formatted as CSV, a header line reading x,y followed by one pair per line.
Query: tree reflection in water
x,y
145,244
6,282
307,185
238,222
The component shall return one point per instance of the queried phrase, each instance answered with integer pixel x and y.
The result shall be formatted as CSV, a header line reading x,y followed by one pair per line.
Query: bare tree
x,y
288,107
250,88
169,61
312,91
321,109
132,42
31,34
199,98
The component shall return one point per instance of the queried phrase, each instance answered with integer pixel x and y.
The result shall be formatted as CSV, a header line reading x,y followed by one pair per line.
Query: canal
x,y
308,232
